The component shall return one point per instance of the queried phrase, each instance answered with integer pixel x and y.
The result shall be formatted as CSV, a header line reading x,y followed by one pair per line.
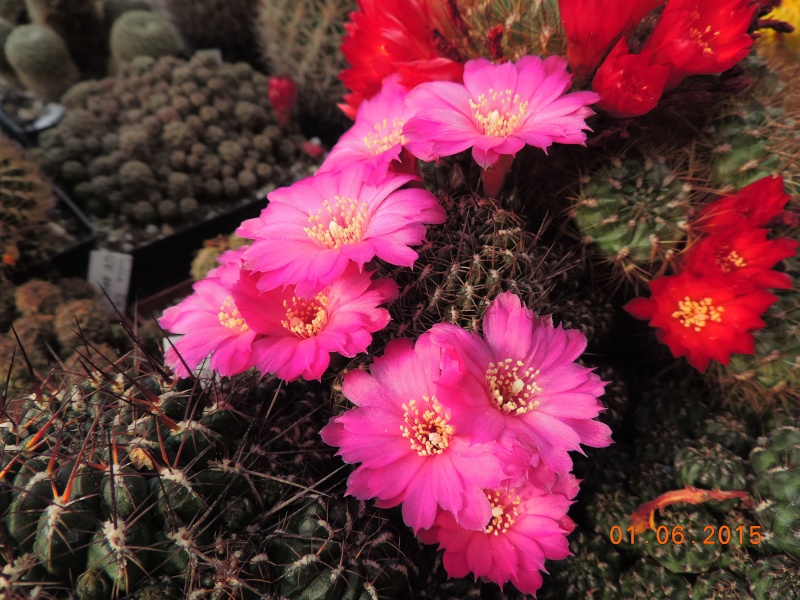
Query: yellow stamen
x,y
428,433
730,261
230,317
504,511
342,223
306,318
385,137
499,115
697,313
511,390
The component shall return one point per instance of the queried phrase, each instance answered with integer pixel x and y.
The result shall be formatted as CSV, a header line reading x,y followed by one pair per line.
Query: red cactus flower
x,y
697,37
282,93
754,205
628,84
743,255
392,36
702,318
592,26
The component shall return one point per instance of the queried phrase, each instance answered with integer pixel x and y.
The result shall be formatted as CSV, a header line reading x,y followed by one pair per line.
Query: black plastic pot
x,y
164,263
74,260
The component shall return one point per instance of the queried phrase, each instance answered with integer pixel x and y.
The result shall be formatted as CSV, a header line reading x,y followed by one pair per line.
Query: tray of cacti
x,y
41,228
164,154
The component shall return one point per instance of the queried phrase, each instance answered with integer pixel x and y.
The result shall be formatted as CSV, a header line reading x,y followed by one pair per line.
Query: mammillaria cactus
x,y
164,139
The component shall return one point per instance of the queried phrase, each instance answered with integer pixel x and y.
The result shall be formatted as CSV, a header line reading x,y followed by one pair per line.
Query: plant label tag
x,y
110,272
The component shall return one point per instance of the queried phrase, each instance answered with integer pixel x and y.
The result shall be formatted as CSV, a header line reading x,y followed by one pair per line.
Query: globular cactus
x,y
634,211
81,25
776,464
25,204
480,252
502,30
121,483
41,61
771,376
143,33
340,547
170,141
301,39
774,577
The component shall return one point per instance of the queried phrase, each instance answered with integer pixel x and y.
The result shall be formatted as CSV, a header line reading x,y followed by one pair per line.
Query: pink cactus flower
x,y
311,231
410,451
521,377
211,323
376,138
498,110
529,525
297,333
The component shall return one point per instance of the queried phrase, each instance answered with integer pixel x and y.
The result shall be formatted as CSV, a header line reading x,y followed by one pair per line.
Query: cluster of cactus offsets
x,y
634,211
301,39
481,251
168,140
502,30
745,546
117,482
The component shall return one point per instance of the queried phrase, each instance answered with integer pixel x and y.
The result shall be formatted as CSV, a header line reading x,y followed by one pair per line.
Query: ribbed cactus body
x,y
634,212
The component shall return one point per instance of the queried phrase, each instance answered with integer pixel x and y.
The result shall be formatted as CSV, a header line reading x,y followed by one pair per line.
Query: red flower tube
x,y
629,86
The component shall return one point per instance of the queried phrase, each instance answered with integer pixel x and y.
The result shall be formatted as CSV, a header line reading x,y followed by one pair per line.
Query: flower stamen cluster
x,y
306,317
345,223
430,432
511,390
695,313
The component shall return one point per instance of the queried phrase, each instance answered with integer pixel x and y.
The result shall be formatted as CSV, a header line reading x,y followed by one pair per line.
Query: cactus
x,y
773,578
648,581
170,141
41,61
81,25
502,30
710,466
221,24
591,572
634,212
720,585
25,205
339,546
301,39
143,33
481,251
776,464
